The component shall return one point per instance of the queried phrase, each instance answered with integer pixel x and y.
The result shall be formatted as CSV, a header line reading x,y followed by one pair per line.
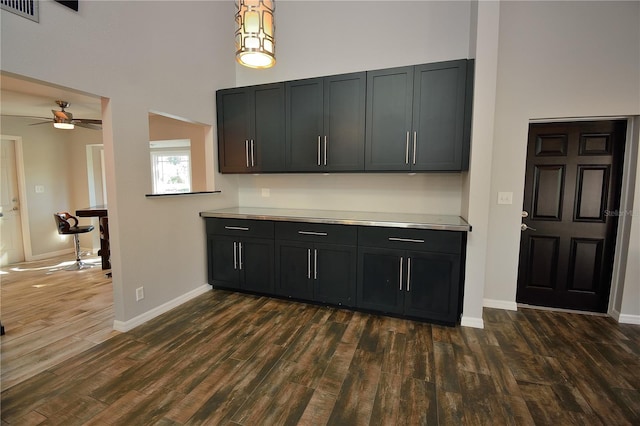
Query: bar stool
x,y
66,228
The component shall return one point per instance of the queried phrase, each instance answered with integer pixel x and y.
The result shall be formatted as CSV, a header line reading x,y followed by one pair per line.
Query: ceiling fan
x,y
64,119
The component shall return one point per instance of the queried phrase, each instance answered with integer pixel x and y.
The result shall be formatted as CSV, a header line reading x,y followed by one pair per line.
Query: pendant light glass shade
x,y
255,33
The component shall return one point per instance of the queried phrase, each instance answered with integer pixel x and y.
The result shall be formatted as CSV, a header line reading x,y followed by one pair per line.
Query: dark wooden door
x,y
432,286
268,132
344,113
389,114
380,279
334,274
571,196
234,129
304,124
438,116
294,269
223,262
256,267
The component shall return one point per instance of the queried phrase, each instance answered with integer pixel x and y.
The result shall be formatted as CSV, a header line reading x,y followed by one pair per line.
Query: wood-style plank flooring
x,y
51,315
226,358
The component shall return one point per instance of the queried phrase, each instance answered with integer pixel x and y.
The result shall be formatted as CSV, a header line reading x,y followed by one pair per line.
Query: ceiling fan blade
x,y
63,115
42,122
29,117
88,125
86,121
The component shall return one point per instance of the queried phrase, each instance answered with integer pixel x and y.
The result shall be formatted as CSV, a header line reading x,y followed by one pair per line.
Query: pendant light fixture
x,y
255,33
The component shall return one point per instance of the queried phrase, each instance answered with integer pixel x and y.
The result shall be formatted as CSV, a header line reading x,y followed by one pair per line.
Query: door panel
x,y
379,279
344,108
335,274
294,263
304,124
269,130
572,180
233,112
11,242
257,265
224,261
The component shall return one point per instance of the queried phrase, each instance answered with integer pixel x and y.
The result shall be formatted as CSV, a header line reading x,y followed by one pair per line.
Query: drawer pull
x,y
236,228
319,234
405,240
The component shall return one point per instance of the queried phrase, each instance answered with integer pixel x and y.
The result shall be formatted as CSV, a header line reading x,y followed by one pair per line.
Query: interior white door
x,y
12,249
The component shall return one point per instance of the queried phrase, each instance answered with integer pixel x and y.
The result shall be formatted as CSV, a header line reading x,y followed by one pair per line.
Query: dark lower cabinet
x,y
245,264
400,271
417,284
320,272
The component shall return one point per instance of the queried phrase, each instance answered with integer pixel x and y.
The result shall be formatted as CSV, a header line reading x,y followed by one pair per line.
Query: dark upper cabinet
x,y
251,129
325,123
417,118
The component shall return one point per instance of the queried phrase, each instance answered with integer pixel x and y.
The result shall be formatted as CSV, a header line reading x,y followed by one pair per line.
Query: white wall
x,y
54,159
556,59
132,54
362,36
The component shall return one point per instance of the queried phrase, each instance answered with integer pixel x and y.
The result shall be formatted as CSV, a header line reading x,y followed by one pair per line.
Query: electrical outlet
x,y
139,293
39,189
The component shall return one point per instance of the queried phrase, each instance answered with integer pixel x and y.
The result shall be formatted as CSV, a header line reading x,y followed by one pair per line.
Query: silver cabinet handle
x,y
401,262
320,234
325,150
253,162
236,228
308,263
405,240
246,150
524,227
319,143
235,255
315,264
406,150
415,137
408,272
240,256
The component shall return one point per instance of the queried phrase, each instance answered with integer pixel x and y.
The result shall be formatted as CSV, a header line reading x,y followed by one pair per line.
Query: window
x,y
171,166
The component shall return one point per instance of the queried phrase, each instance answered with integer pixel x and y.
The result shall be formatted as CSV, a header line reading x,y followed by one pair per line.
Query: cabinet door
x,y
379,280
334,274
344,125
433,282
389,115
223,262
304,124
438,116
294,270
268,154
256,265
233,129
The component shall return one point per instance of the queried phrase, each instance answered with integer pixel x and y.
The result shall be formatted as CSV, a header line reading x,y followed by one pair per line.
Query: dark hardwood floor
x,y
229,358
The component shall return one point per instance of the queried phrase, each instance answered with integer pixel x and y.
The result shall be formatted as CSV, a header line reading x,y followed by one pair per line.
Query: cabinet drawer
x,y
240,227
411,239
317,233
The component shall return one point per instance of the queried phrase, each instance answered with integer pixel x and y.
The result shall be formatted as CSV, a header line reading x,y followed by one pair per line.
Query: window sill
x,y
180,194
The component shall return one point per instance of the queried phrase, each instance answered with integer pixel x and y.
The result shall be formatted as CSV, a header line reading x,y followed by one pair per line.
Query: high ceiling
x,y
32,98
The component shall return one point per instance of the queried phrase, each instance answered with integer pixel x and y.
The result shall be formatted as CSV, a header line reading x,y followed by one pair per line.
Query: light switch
x,y
505,197
266,192
39,189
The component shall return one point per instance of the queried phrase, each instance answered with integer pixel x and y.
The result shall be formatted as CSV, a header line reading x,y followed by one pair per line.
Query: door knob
x,y
524,227
525,213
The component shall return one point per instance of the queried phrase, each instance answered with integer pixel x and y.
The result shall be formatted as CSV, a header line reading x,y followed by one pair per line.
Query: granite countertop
x,y
394,220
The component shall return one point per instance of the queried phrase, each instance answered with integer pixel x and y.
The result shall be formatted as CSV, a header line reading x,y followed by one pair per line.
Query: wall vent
x,y
25,8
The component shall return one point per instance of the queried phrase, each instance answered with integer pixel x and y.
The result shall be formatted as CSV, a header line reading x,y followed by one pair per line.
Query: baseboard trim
x,y
125,326
472,322
500,304
49,255
629,319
